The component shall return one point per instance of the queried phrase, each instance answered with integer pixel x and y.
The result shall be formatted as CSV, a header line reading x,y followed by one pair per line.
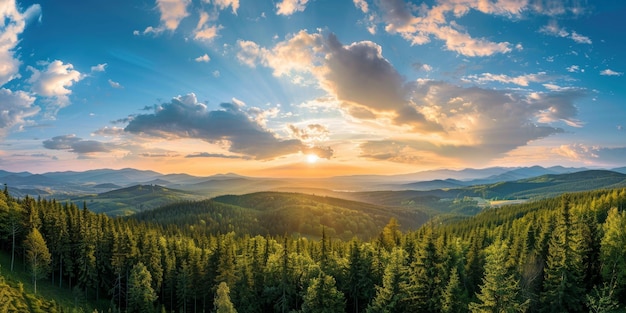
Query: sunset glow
x,y
367,87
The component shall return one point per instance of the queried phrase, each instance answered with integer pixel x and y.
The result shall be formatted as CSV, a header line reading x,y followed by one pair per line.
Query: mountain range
x,y
102,180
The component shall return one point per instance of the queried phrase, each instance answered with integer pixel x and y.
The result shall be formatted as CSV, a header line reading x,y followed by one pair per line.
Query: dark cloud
x,y
75,144
369,85
312,132
216,155
185,117
158,155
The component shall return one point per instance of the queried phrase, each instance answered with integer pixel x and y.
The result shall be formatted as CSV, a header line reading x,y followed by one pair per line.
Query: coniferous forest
x,y
564,254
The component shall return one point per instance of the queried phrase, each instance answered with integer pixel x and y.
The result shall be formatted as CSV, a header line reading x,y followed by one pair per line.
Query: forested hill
x,y
133,199
563,254
277,213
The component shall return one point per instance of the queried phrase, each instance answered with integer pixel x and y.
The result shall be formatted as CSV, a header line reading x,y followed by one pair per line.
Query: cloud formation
x,y
418,24
223,4
433,117
288,7
231,126
99,68
204,30
12,24
522,80
75,144
172,12
54,81
15,108
115,84
610,72
553,29
216,155
203,58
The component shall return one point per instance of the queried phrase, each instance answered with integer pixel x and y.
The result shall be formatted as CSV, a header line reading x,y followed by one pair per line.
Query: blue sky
x,y
311,88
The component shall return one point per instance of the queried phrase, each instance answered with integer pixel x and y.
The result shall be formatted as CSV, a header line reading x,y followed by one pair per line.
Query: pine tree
x,y
322,296
11,223
141,296
563,284
360,284
37,256
184,286
499,291
612,251
222,300
394,289
425,278
452,294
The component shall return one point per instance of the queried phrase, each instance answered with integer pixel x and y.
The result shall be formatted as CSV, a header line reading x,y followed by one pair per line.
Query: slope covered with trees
x,y
564,254
279,213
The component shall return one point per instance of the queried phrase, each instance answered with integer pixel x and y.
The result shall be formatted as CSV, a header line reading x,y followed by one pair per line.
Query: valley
x,y
267,245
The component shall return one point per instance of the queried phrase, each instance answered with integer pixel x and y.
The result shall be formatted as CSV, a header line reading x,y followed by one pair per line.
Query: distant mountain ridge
x,y
102,180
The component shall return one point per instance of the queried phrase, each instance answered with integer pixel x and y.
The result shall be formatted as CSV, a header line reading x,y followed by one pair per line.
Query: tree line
x,y
564,254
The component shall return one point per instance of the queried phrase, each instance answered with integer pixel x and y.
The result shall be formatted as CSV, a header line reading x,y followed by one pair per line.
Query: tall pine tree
x,y
563,283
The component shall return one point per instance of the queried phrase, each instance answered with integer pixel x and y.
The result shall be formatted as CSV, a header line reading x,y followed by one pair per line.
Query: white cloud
x,y
249,52
522,80
576,152
216,73
205,31
203,58
15,108
54,81
12,24
109,132
99,68
172,12
580,38
610,72
573,69
362,5
115,84
400,18
553,29
223,4
288,7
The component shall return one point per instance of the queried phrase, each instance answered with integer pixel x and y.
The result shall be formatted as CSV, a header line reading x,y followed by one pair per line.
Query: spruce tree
x,y
37,256
322,296
563,283
612,251
389,297
141,295
222,300
499,291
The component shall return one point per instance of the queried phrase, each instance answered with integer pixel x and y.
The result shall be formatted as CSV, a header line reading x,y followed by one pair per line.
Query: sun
x,y
311,158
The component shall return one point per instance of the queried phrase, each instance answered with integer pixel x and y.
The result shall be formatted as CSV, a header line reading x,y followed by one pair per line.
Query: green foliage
x,y
37,256
562,254
322,296
141,296
499,291
134,199
222,300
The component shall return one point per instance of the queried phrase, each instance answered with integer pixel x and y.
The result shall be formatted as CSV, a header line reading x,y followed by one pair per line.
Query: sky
x,y
311,88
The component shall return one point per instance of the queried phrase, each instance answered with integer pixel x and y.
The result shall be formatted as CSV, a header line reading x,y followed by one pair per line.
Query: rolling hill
x,y
279,213
133,199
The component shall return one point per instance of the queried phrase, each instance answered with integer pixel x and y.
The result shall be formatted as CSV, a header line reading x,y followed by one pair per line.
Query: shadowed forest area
x,y
564,254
